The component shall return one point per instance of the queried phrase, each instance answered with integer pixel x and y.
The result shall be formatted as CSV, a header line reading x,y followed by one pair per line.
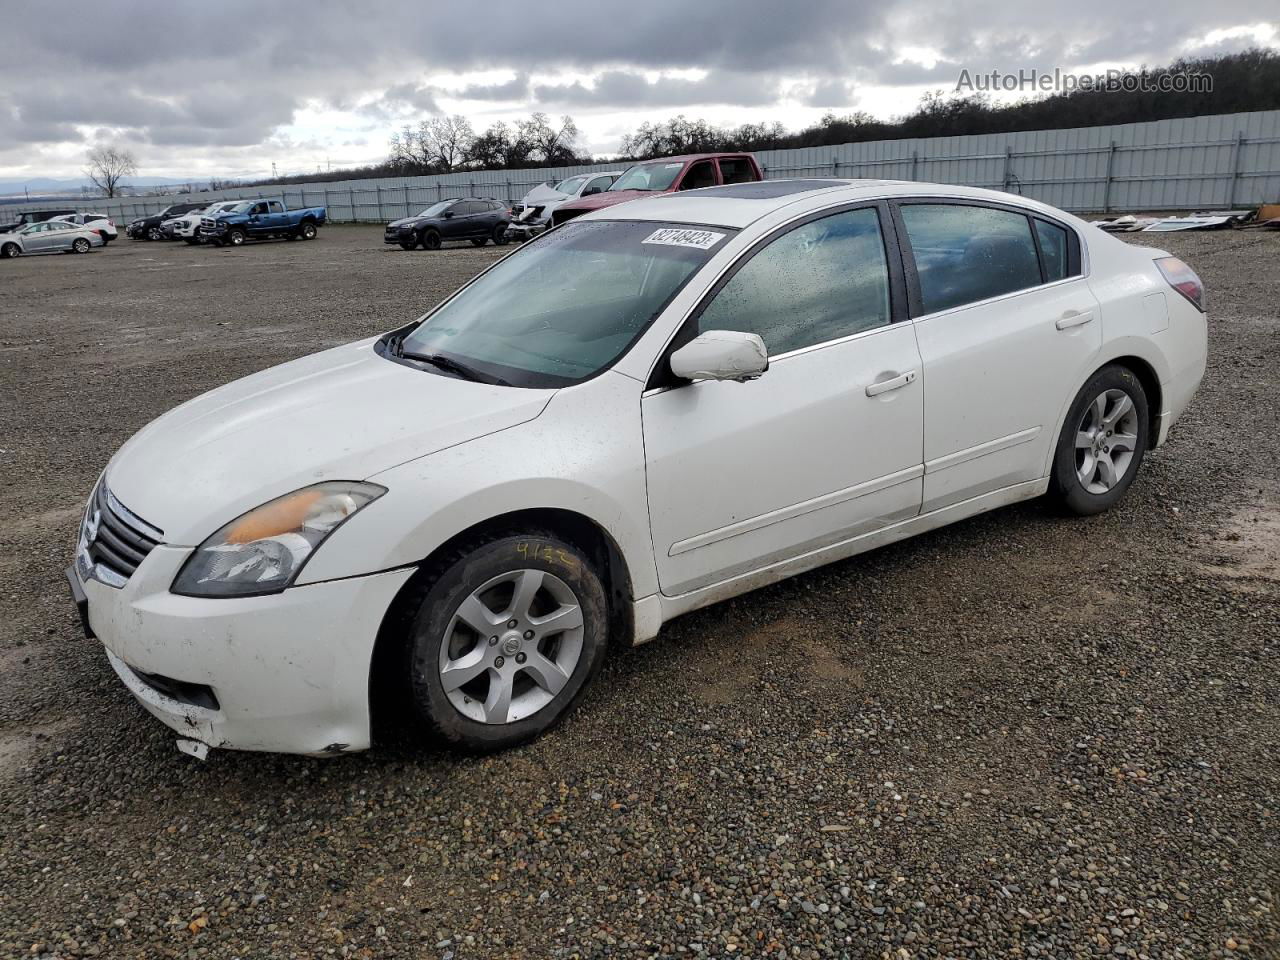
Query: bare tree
x,y
446,139
108,165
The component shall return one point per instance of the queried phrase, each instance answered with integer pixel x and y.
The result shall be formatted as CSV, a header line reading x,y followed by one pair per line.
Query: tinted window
x,y
736,170
965,253
276,206
649,176
1053,250
823,280
701,174
600,183
90,217
497,205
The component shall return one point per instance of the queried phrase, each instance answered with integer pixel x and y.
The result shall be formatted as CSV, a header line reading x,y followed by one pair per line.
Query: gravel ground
x,y
1021,736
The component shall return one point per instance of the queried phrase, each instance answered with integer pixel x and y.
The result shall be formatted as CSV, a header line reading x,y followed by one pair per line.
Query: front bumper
x,y
398,236
527,230
286,673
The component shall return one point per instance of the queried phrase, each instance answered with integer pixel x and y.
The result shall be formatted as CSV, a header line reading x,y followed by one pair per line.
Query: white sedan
x,y
652,408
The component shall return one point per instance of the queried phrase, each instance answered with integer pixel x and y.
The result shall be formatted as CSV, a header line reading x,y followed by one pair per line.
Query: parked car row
x,y
481,219
229,222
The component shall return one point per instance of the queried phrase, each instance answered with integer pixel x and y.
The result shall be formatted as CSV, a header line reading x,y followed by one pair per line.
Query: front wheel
x,y
235,237
154,233
80,245
500,237
504,642
1103,441
430,240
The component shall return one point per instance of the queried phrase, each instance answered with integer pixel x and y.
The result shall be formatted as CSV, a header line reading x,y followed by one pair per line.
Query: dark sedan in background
x,y
468,218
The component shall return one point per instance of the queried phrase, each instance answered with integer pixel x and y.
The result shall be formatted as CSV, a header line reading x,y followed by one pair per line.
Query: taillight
x,y
1183,279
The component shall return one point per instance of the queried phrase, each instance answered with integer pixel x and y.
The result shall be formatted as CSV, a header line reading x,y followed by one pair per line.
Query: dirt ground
x,y
1021,736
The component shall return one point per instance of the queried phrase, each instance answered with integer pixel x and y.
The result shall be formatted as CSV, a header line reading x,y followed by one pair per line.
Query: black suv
x,y
33,216
148,228
471,218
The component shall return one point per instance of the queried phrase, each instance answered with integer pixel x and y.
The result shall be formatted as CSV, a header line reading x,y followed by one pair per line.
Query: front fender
x,y
584,454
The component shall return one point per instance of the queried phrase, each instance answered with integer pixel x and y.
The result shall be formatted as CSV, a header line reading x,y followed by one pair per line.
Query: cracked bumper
x,y
289,673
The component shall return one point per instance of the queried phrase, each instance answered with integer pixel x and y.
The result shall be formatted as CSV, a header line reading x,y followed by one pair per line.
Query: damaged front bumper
x,y
285,673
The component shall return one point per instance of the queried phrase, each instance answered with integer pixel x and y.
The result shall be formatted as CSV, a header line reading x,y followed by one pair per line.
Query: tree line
x,y
1245,81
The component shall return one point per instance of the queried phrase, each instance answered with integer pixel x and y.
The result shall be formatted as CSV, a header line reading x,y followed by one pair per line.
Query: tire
x,y
407,246
235,237
479,241
307,231
500,237
80,245
430,239
1103,441
154,234
10,250
192,241
523,577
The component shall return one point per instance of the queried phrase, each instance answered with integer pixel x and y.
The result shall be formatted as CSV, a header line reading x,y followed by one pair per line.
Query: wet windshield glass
x,y
569,304
648,176
437,208
571,185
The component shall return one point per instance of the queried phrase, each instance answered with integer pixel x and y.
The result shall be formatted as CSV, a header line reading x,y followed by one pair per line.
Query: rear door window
x,y
701,174
736,170
1053,250
965,253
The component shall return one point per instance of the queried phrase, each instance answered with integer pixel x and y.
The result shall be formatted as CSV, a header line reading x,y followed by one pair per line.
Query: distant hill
x,y
47,186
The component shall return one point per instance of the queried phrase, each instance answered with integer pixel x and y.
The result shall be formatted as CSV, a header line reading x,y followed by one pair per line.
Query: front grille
x,y
208,224
114,539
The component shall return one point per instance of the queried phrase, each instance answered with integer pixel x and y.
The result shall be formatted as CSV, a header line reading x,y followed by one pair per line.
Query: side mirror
x,y
448,214
590,190
721,355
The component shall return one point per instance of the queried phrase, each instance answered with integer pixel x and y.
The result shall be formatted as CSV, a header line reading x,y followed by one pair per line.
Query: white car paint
x,y
100,223
185,226
706,489
533,213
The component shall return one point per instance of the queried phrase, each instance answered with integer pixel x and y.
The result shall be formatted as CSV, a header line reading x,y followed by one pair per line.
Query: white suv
x,y
652,408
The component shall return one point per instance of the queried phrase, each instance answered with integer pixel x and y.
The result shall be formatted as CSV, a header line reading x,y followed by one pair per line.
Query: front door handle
x,y
884,386
1073,318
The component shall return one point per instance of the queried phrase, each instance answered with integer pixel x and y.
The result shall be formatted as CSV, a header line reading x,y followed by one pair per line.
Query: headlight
x,y
264,550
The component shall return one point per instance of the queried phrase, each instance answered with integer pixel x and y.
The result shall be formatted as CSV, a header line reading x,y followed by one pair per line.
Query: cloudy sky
x,y
197,89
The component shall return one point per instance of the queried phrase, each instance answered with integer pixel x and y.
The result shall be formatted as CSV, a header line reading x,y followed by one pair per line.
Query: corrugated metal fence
x,y
1196,163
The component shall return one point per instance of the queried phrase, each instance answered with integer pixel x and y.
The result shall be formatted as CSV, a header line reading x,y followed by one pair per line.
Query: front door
x,y
1008,329
455,227
824,446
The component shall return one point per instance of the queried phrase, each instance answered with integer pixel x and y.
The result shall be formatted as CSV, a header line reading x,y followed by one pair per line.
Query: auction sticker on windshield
x,y
675,237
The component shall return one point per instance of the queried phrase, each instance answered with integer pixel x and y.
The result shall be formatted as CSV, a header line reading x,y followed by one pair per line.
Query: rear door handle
x,y
1073,318
884,386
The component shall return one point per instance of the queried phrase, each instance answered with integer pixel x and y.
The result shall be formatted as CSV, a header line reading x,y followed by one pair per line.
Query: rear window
x,y
966,253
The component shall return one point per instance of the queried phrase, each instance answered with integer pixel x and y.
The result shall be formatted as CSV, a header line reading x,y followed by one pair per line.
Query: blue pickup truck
x,y
261,220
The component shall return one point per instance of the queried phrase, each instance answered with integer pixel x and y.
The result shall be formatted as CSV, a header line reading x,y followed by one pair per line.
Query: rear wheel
x,y
307,231
1103,441
500,237
505,640
430,239
80,245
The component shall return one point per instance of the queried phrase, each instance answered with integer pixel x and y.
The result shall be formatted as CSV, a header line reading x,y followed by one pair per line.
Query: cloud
x,y
215,84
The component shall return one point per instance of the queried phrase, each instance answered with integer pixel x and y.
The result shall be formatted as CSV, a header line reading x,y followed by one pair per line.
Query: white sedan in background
x,y
49,236
652,408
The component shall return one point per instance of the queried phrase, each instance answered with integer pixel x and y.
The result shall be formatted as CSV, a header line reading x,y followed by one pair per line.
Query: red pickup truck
x,y
665,176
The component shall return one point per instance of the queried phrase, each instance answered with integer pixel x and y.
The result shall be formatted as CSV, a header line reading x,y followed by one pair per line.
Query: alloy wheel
x,y
511,646
1106,440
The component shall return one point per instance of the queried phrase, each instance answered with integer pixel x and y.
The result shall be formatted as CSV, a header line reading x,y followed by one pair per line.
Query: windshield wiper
x,y
463,370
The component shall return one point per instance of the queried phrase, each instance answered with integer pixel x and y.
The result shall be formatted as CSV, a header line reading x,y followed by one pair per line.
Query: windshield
x,y
570,186
648,176
567,305
437,208
241,207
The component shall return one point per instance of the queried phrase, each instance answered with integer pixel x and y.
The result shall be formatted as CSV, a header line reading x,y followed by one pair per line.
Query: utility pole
x,y
274,175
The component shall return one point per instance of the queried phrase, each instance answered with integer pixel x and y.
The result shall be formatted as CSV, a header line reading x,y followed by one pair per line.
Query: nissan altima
x,y
652,408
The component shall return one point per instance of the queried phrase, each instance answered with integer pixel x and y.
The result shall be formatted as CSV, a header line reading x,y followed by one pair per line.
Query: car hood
x,y
408,221
598,201
544,194
344,414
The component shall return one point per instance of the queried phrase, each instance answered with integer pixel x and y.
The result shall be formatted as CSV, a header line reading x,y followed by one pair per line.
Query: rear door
x,y
700,174
1007,328
825,445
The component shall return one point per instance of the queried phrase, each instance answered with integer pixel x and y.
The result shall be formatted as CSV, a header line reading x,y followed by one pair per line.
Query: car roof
x,y
741,204
686,157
